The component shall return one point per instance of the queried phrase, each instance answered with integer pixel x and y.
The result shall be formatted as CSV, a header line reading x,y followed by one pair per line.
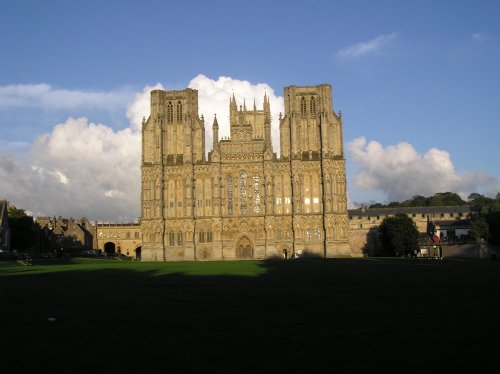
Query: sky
x,y
417,83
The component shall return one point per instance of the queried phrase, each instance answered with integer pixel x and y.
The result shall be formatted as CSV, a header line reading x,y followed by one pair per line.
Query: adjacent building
x,y
450,223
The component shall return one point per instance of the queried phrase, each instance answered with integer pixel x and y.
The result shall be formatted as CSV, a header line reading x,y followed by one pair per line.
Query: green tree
x,y
399,235
14,212
493,220
482,204
418,200
21,228
479,229
445,199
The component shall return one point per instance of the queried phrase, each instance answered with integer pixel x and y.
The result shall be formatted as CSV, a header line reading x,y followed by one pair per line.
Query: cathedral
x,y
243,201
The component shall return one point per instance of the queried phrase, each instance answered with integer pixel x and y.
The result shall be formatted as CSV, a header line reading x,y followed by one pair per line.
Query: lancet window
x,y
312,107
229,196
243,193
303,107
256,195
170,112
179,111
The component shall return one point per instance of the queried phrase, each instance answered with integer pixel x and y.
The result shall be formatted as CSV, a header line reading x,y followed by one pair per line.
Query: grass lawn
x,y
314,316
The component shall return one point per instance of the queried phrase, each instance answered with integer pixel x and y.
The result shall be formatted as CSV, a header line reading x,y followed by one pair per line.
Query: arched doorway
x,y
244,249
138,253
109,248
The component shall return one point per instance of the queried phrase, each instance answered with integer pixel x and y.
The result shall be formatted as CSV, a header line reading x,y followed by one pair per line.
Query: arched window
x,y
243,193
170,112
256,194
179,111
180,192
303,107
312,107
229,196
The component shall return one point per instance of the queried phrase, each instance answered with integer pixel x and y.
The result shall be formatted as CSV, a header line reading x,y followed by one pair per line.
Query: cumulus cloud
x,y
400,172
45,96
78,168
214,96
366,48
81,167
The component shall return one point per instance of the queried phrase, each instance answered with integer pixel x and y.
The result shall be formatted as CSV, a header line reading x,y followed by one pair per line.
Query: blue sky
x,y
418,80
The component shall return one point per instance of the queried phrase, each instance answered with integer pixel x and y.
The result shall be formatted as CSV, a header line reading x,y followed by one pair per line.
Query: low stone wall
x,y
477,251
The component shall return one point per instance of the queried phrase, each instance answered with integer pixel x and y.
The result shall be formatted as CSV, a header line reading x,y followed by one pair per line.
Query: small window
x,y
170,112
179,111
312,107
303,107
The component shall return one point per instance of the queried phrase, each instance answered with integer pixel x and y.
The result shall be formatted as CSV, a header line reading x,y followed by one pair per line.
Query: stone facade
x,y
118,238
243,202
74,235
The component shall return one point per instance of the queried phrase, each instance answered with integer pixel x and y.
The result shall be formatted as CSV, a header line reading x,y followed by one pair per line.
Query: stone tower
x,y
243,202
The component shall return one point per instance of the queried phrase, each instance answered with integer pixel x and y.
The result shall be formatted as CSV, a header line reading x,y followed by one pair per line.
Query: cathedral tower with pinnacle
x,y
243,202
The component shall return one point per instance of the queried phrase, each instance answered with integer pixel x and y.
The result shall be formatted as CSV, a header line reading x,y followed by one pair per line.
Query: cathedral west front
x,y
243,201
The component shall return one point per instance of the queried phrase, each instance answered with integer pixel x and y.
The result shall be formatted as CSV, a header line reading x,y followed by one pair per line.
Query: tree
x,y
399,235
417,200
21,228
493,220
445,199
479,229
482,204
14,212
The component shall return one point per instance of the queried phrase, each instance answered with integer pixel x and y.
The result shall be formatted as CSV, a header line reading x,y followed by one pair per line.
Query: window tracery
x,y
243,193
312,107
179,111
256,195
170,112
303,107
229,196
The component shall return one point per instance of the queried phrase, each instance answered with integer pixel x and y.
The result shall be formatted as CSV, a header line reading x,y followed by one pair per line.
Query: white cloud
x,y
82,167
78,168
214,96
366,48
400,172
45,96
139,108
479,37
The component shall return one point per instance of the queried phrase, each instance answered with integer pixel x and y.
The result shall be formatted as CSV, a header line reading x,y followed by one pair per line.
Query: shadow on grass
x,y
304,316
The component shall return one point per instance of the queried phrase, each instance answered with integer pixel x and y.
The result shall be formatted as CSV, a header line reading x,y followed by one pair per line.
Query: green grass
x,y
344,315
